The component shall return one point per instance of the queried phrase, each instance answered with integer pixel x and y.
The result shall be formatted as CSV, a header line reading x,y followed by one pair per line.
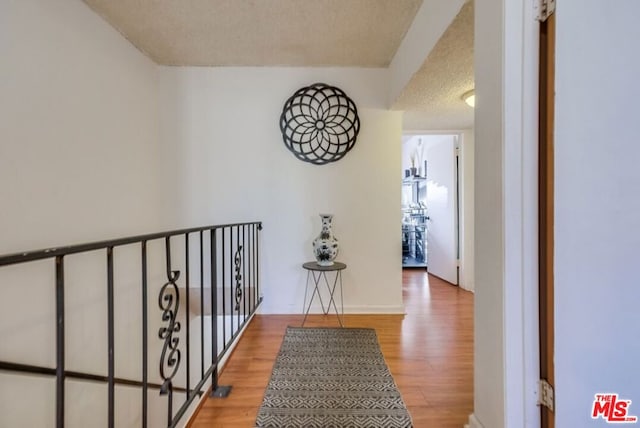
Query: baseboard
x,y
473,422
369,309
348,310
469,288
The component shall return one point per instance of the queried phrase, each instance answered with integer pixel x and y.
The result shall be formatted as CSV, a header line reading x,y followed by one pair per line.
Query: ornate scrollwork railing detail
x,y
174,352
169,303
238,269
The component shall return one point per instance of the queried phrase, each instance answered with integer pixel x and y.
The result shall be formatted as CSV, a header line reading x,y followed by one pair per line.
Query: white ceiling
x,y
350,33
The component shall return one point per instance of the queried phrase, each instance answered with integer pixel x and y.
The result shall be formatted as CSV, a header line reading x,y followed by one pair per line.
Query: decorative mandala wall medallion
x,y
319,124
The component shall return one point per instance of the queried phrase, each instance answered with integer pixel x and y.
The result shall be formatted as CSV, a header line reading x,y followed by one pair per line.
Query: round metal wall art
x,y
319,124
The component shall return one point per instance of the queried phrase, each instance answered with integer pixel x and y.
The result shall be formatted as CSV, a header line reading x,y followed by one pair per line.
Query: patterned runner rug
x,y
331,377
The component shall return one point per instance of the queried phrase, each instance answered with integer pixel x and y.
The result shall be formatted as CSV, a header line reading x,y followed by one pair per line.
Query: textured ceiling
x,y
307,33
362,33
433,97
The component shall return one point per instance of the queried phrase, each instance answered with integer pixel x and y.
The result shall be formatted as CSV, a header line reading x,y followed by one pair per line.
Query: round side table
x,y
318,272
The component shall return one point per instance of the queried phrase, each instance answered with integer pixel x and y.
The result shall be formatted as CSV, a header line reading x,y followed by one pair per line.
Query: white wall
x,y
489,247
596,207
221,138
78,120
78,162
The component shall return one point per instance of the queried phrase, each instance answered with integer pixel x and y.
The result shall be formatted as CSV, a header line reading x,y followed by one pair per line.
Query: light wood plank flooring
x,y
429,352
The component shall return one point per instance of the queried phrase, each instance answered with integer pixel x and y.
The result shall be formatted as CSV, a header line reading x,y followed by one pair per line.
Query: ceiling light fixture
x,y
469,98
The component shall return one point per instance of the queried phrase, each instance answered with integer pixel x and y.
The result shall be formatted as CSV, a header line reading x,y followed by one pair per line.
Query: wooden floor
x,y
429,352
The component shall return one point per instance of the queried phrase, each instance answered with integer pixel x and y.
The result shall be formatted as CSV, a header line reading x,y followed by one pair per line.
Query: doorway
x,y
433,204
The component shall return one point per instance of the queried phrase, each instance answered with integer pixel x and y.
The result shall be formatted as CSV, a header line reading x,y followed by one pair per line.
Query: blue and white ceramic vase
x,y
325,246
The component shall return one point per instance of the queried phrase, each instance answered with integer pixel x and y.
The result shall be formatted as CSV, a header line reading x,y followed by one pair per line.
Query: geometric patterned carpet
x,y
331,377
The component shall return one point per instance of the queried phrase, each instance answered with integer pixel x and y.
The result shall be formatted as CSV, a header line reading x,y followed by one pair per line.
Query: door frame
x,y
520,39
465,276
546,210
510,395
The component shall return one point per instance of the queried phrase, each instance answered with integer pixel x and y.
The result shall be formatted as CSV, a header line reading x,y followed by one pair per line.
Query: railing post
x,y
218,391
60,368
188,331
244,273
223,288
258,260
110,340
145,335
201,304
224,284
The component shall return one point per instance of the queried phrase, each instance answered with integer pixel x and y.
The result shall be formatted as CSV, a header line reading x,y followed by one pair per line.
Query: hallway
x,y
429,351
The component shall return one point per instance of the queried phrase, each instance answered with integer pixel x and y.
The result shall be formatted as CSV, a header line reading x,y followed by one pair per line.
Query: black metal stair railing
x,y
224,263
